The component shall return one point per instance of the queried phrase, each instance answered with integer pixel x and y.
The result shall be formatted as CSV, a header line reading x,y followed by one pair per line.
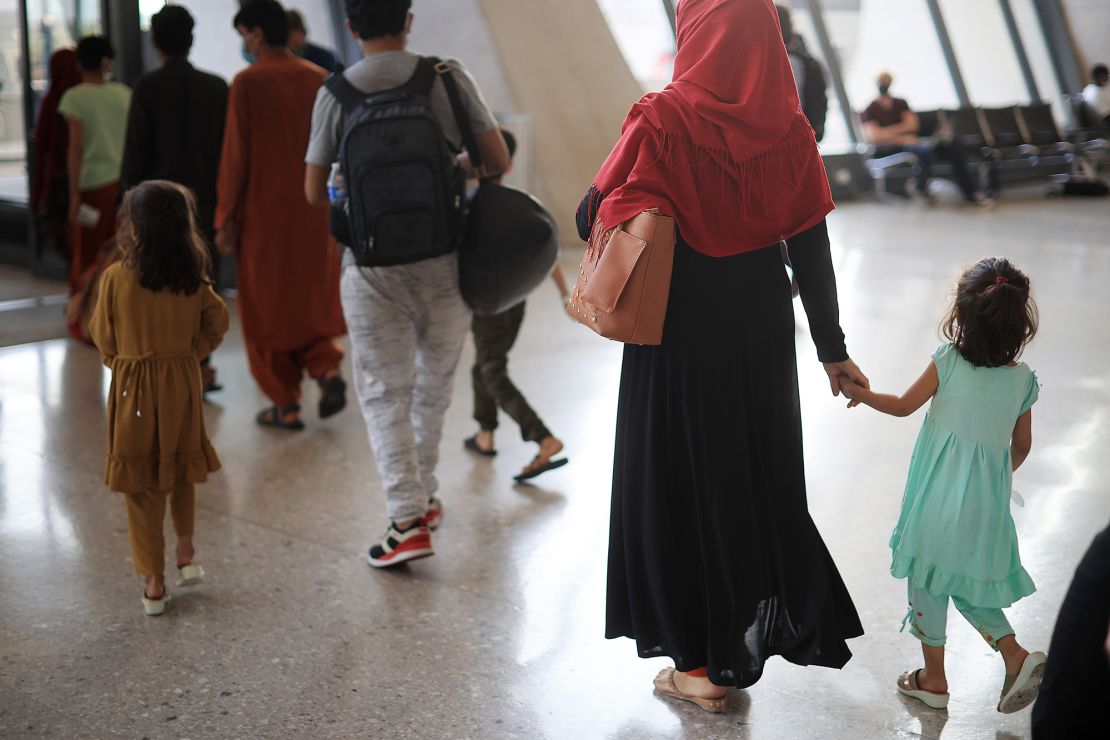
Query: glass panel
x,y
1036,48
147,9
837,138
860,34
914,59
54,25
645,38
13,140
984,52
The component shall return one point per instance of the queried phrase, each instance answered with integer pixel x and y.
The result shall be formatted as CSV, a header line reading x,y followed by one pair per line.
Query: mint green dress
x,y
955,535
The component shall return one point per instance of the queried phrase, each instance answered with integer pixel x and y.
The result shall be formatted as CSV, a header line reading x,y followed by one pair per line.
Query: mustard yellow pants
x,y
146,513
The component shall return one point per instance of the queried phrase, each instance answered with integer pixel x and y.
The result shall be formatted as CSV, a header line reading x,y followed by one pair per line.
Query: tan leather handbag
x,y
625,280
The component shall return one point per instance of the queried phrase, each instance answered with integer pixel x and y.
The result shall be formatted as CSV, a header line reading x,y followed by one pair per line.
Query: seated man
x,y
890,126
1097,94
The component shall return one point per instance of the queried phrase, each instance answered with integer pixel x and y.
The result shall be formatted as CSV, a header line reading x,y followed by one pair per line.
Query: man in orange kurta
x,y
288,275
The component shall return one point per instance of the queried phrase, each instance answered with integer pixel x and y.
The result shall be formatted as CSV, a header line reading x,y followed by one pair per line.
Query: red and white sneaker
x,y
399,546
434,515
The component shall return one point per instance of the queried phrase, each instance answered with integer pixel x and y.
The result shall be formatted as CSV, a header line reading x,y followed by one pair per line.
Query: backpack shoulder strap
x,y
423,77
349,96
462,118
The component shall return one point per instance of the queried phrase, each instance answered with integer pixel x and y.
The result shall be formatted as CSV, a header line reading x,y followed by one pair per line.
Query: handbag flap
x,y
613,270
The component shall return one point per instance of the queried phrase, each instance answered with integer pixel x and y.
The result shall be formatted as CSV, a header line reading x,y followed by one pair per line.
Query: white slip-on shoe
x,y
1021,690
155,607
189,575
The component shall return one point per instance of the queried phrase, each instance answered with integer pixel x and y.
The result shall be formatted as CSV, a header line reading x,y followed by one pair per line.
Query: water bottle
x,y
337,186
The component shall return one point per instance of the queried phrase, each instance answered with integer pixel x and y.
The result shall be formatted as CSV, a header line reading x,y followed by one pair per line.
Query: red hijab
x,y
725,148
51,133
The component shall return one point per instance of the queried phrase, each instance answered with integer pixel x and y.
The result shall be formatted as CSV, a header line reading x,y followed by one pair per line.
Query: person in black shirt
x,y
302,47
175,129
891,126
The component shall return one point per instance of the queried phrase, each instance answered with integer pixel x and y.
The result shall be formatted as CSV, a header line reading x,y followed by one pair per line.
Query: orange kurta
x,y
288,266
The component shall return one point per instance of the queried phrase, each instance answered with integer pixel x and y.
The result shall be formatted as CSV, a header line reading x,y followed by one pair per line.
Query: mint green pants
x,y
928,616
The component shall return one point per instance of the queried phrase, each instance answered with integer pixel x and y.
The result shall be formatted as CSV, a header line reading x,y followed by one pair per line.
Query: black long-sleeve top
x,y
811,259
175,132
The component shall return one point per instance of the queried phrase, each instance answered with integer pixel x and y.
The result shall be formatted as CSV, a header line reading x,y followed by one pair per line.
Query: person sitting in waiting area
x,y
1097,94
305,49
890,126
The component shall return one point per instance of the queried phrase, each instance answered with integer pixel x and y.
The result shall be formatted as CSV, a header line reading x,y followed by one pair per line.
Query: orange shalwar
x,y
288,272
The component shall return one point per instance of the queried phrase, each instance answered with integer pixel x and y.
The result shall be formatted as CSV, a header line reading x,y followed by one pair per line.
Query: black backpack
x,y
815,96
406,194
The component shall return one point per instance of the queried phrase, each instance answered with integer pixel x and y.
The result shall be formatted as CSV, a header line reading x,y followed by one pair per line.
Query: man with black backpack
x,y
384,150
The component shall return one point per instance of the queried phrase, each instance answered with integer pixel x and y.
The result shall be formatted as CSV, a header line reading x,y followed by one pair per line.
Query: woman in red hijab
x,y
714,560
49,191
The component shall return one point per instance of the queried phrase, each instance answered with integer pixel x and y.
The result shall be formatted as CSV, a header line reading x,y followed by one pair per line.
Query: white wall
x,y
457,28
914,57
1090,27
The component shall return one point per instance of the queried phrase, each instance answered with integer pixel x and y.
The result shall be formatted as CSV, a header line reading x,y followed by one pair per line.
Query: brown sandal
x,y
665,685
275,417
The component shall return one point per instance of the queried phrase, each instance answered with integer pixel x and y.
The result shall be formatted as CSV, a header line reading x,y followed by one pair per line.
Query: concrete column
x,y
564,68
1090,27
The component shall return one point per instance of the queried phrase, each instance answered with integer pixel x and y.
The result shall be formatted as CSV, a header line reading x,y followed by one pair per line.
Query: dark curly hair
x,y
373,19
158,236
993,315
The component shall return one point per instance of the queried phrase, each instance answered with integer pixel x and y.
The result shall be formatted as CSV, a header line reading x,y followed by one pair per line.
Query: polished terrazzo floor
x,y
500,634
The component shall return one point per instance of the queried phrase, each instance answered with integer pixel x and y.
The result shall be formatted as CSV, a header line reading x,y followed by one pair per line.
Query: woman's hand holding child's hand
x,y
845,372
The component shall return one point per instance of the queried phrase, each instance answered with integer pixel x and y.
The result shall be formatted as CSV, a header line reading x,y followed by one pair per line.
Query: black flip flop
x,y
471,443
549,465
274,417
334,398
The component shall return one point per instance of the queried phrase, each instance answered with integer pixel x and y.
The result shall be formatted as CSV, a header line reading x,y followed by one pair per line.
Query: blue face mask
x,y
247,56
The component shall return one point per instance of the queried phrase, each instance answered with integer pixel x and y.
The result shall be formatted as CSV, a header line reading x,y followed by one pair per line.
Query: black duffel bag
x,y
510,247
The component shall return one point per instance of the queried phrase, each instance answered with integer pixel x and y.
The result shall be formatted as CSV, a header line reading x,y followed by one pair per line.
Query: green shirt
x,y
102,111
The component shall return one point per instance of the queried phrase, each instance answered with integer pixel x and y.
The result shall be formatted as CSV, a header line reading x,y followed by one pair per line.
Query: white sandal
x,y
1021,690
907,686
189,575
155,607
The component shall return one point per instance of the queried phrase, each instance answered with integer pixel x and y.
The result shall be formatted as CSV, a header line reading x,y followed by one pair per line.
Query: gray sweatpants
x,y
406,325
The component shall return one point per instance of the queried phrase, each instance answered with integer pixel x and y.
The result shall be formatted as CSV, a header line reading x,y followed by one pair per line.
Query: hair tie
x,y
1001,281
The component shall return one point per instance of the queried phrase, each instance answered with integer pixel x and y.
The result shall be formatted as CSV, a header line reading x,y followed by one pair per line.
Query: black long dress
x,y
713,557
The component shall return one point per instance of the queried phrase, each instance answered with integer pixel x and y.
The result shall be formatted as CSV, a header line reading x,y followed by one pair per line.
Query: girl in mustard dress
x,y
955,537
156,316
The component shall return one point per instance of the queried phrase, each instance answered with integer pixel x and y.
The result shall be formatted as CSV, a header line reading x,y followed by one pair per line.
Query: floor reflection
x,y
501,634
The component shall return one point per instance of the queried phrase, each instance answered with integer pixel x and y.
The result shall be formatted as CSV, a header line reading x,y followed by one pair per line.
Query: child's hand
x,y
852,392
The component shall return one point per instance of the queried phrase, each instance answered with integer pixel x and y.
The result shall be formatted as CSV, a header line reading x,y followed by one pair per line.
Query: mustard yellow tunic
x,y
153,342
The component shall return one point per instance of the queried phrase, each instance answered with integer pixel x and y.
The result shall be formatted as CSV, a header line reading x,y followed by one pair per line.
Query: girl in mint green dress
x,y
955,538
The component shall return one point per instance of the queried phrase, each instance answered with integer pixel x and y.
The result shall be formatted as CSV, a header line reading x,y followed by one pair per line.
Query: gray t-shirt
x,y
382,72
